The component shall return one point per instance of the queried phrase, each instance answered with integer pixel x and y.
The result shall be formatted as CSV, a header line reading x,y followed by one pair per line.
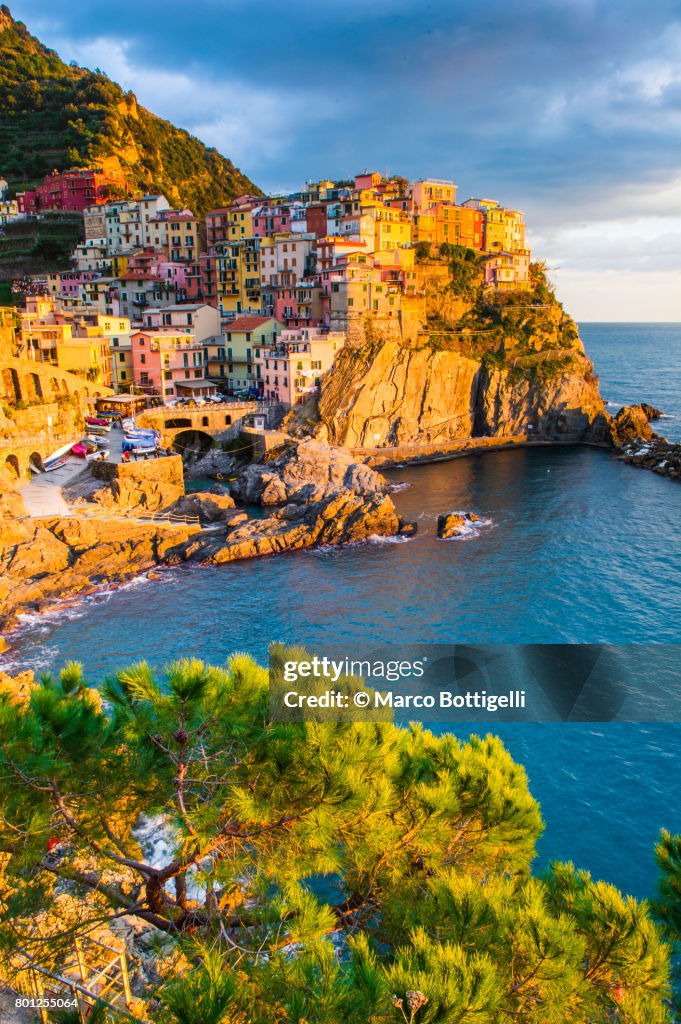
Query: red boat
x,y
97,422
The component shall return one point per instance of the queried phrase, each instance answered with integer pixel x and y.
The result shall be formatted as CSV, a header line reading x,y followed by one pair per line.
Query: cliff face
x,y
521,372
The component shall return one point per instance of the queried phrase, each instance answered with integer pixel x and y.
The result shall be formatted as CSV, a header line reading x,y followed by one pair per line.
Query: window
x,y
121,357
143,358
187,374
198,373
123,375
167,374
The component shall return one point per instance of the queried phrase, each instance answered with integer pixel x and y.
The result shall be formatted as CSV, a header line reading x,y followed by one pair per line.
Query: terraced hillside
x,y
54,115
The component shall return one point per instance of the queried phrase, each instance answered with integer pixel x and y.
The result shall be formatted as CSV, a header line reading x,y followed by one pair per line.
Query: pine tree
x,y
318,873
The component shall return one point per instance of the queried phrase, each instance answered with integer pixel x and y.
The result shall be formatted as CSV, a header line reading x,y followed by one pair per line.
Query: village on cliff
x,y
254,298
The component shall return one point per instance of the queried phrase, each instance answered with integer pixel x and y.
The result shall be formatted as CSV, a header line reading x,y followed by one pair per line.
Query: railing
x,y
96,974
130,515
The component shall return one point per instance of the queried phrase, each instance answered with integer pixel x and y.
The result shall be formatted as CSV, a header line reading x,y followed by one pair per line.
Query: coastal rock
x,y
344,518
657,454
440,389
214,464
207,507
11,505
651,412
41,560
631,422
453,524
16,689
307,472
151,485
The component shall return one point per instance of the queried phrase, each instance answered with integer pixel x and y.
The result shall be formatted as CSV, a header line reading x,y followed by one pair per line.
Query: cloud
x,y
568,111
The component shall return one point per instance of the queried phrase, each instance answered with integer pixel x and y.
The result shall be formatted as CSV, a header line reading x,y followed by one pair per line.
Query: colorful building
x,y
230,359
290,370
431,192
456,225
73,190
169,350
507,271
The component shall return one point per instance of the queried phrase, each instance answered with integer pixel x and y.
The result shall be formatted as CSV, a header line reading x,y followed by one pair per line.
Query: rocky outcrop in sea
x,y
325,498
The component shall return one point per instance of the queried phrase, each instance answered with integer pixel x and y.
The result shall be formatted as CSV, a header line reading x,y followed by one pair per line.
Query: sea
x,y
574,547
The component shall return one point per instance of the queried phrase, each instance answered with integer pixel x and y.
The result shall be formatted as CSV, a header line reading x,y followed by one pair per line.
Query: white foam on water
x,y
394,488
377,539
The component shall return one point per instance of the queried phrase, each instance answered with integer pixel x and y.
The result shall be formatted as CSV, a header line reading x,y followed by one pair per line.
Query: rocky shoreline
x,y
322,497
318,494
656,453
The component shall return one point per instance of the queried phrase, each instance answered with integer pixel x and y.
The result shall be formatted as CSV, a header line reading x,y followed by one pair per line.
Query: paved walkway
x,y
43,495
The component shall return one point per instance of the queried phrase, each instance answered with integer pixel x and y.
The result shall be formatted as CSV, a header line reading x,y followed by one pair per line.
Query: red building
x,y
71,190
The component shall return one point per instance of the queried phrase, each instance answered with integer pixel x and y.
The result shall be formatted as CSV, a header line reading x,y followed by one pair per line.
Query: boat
x,y
57,457
140,433
99,439
98,421
85,447
57,464
139,445
100,455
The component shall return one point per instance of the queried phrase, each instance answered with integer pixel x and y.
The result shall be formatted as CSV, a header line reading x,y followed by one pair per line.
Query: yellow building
x,y
379,226
393,228
504,228
72,340
237,277
86,355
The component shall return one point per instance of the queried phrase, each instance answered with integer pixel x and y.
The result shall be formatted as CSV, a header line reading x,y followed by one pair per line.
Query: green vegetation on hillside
x,y
320,873
53,115
38,245
526,332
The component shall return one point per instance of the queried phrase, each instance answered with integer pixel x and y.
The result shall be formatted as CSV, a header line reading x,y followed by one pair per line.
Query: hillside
x,y
54,115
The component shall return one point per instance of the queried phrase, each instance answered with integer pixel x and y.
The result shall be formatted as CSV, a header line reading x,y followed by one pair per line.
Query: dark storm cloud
x,y
516,100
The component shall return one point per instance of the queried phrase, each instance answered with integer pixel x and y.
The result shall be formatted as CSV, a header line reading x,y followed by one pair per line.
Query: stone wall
x,y
148,485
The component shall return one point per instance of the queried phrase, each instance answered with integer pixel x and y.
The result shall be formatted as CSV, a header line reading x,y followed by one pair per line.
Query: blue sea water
x,y
579,548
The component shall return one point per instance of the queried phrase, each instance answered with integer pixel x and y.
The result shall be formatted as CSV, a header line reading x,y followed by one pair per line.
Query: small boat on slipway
x,y
58,458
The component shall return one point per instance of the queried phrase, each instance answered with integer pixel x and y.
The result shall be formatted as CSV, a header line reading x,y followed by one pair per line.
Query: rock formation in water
x,y
306,472
453,524
329,499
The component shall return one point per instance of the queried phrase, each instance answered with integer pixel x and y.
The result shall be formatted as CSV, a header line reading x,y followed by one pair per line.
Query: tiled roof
x,y
246,323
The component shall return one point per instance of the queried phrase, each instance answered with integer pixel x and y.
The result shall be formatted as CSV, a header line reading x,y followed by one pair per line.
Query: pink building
x,y
163,357
290,370
269,219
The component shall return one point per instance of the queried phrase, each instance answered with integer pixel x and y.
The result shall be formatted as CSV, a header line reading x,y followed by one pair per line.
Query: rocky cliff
x,y
510,365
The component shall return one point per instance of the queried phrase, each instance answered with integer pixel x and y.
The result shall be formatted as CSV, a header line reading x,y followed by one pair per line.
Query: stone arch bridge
x,y
184,427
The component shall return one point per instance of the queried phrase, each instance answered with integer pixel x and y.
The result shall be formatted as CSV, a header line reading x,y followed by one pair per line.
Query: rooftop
x,y
247,323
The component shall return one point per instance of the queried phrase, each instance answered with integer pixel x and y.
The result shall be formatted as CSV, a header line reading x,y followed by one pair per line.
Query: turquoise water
x,y
578,548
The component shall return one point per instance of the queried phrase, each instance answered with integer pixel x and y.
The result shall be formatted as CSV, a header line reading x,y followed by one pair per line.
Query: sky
x,y
569,111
